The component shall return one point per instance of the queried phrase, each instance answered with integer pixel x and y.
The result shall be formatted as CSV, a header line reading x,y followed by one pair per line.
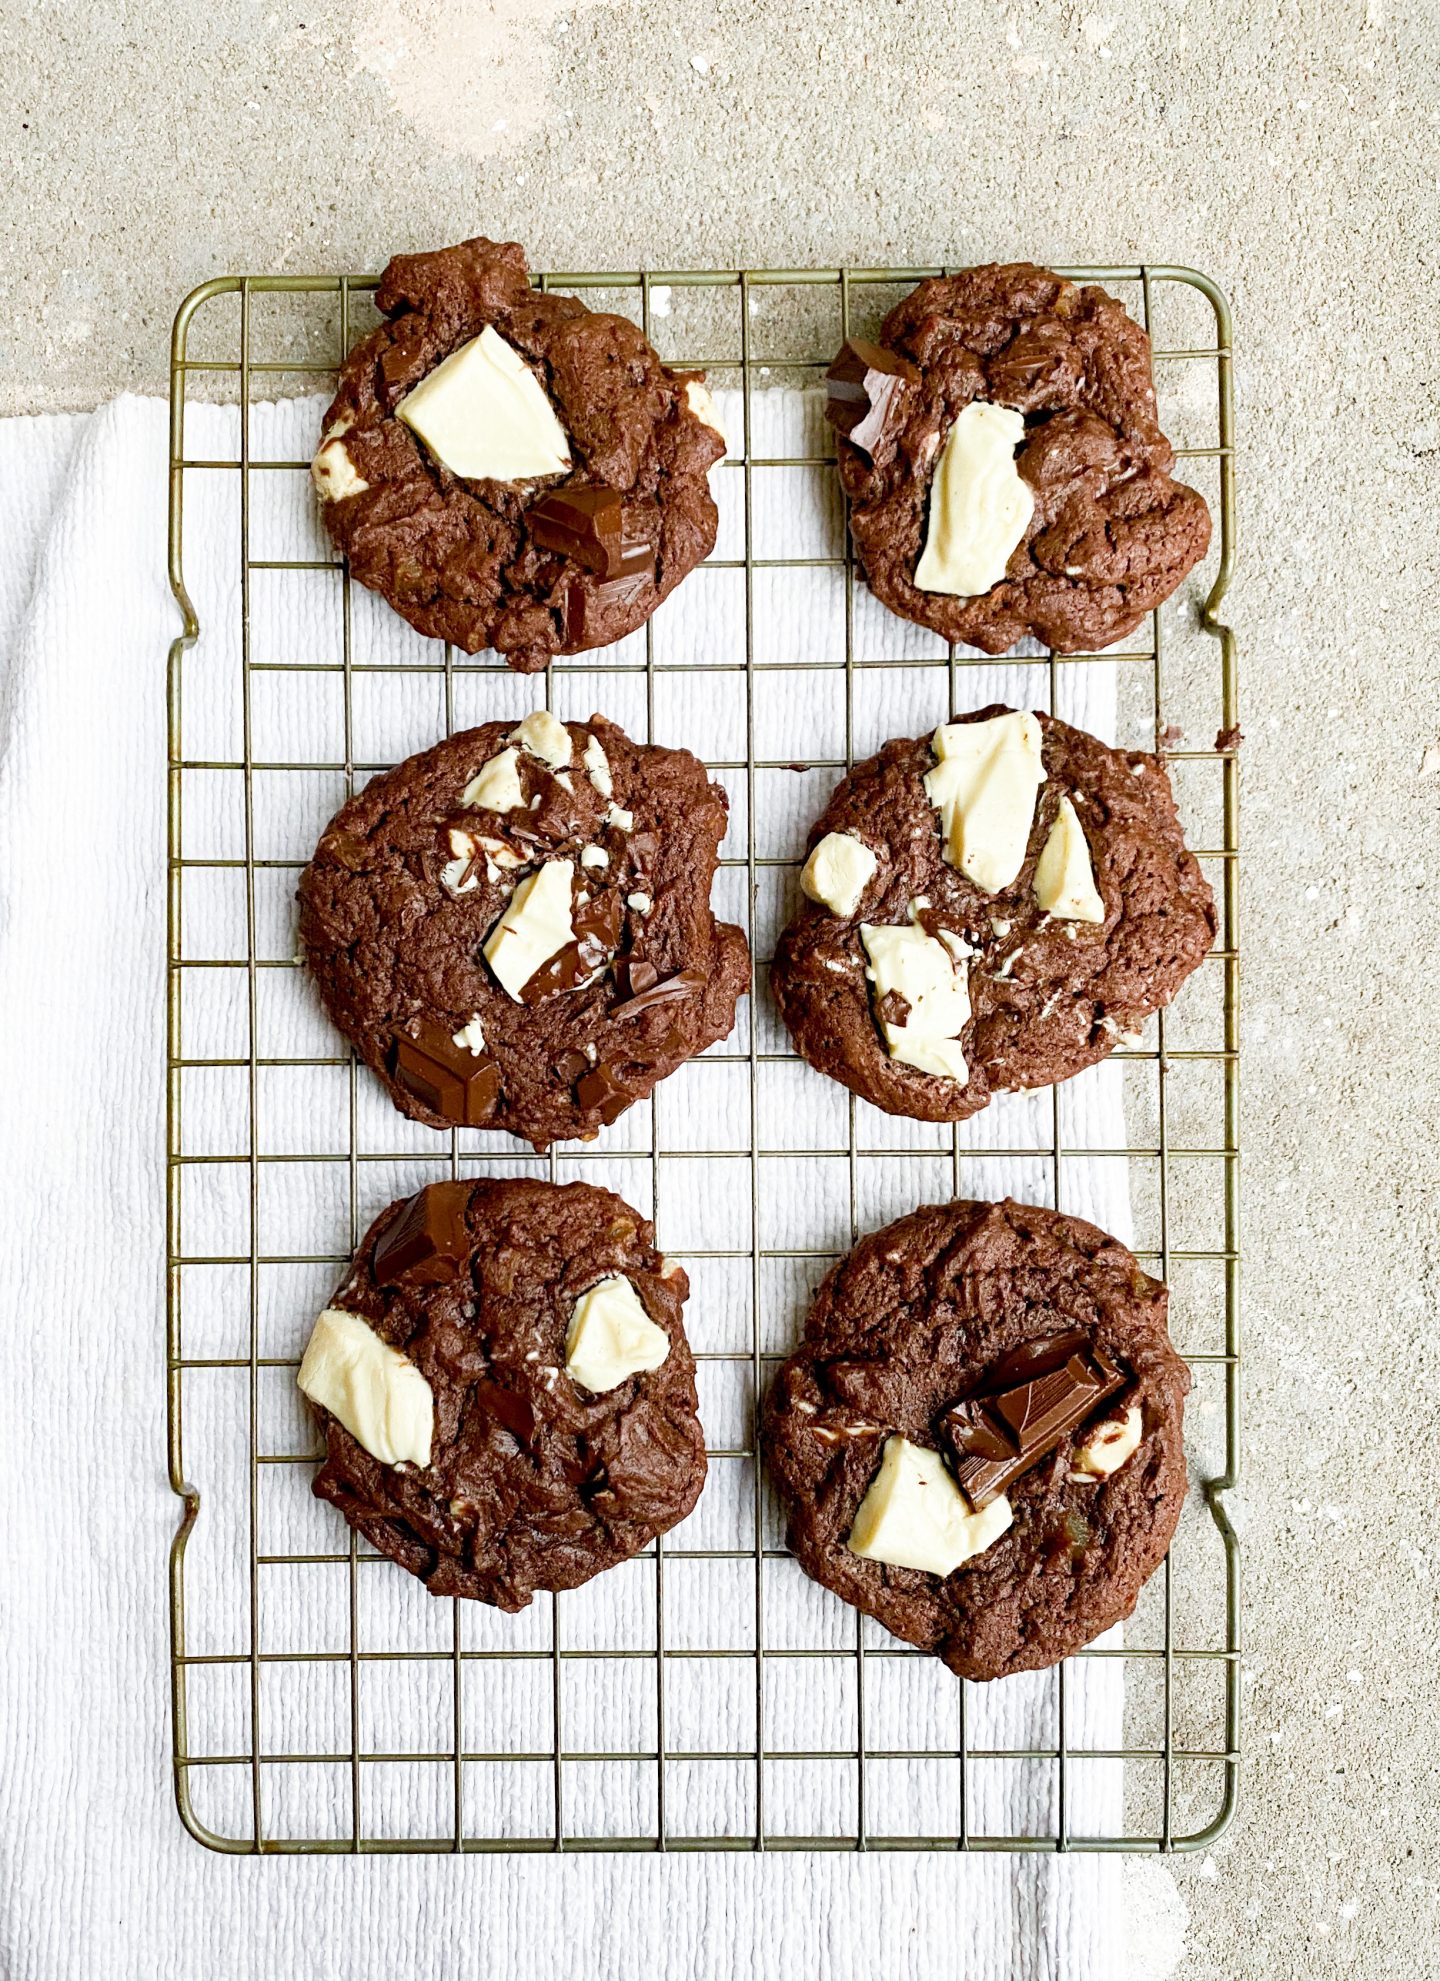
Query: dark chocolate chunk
x,y
636,559
600,1089
862,386
449,1079
1033,1358
998,1436
597,924
641,850
1072,1537
583,522
684,983
555,819
508,1408
570,1065
428,1242
587,607
634,974
352,853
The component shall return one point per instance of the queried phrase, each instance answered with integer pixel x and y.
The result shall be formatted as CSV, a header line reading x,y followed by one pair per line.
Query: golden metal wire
x,y
1220,1153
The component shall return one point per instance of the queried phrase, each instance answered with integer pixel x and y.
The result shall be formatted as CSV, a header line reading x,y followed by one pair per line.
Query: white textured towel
x,y
96,1874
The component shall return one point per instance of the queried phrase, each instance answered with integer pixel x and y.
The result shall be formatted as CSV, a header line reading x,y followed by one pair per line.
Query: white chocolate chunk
x,y
1064,878
376,1392
334,473
456,876
698,399
927,974
980,507
498,855
622,820
536,923
838,872
1110,1443
485,414
597,764
495,787
915,1516
471,1037
641,903
456,879
611,1336
594,856
544,737
984,789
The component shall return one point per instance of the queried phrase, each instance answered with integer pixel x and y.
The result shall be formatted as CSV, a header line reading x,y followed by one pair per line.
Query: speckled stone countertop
x,y
1292,151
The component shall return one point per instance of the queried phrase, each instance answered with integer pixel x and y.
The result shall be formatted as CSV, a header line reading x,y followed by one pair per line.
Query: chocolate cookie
x,y
505,1388
990,908
545,493
1006,472
513,929
987,1406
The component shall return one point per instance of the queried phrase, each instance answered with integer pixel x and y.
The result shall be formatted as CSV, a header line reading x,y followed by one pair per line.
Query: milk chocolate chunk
x,y
597,924
862,386
444,1077
429,1242
999,1436
581,522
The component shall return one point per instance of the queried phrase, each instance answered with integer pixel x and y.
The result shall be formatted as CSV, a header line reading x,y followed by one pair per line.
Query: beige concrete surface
x,y
1290,149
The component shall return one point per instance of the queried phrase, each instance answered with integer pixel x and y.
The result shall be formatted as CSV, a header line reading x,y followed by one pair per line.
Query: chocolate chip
x,y
507,1408
352,853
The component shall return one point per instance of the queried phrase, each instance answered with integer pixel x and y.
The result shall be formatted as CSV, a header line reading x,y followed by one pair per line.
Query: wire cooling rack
x,y
323,1702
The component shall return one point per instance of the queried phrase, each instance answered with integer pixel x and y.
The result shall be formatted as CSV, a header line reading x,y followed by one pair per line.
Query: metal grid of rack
x,y
301,1615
